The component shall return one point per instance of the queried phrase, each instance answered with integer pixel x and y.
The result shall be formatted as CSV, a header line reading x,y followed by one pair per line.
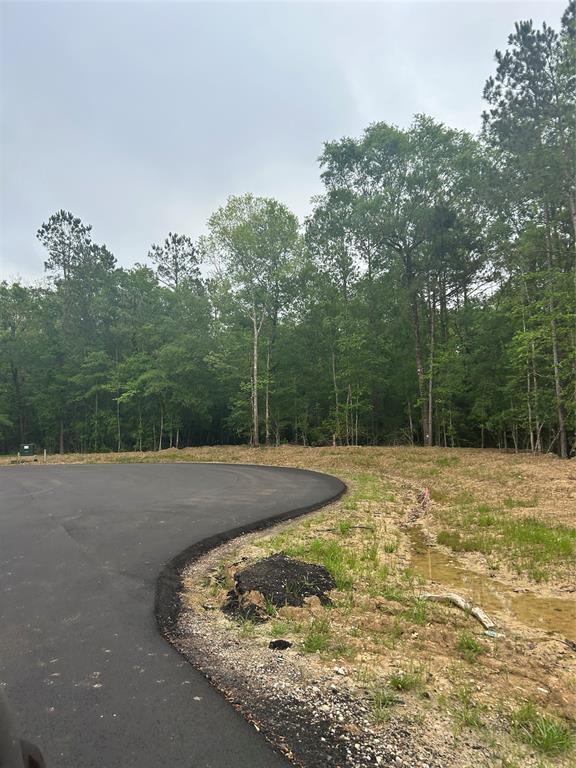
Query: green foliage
x,y
467,712
340,562
543,732
428,298
318,636
382,700
469,647
411,679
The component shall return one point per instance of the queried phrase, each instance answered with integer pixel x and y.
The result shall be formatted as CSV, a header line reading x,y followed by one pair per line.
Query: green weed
x,y
382,699
411,679
418,613
542,732
469,647
281,628
511,503
467,712
318,636
344,527
448,461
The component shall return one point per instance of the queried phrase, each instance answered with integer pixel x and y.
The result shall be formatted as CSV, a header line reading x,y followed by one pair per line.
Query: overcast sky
x,y
143,117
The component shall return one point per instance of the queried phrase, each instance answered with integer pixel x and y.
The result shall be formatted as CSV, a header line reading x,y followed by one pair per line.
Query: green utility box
x,y
27,449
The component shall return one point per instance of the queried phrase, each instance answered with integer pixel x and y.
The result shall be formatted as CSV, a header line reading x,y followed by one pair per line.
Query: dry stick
x,y
464,605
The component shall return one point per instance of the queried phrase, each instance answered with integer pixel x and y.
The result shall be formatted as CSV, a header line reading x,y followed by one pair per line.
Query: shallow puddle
x,y
550,614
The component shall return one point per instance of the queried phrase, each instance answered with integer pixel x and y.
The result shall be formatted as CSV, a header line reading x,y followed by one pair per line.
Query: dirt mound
x,y
277,581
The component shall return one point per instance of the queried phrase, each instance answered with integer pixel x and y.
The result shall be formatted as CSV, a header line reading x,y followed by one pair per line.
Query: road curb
x,y
167,602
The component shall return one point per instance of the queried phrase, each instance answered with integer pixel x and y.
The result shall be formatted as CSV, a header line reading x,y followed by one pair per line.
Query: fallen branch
x,y
464,605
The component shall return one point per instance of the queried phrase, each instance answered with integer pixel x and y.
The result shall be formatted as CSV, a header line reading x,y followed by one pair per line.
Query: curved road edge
x,y
167,602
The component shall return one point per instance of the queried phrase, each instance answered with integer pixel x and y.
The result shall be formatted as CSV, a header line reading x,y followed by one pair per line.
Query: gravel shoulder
x,y
394,682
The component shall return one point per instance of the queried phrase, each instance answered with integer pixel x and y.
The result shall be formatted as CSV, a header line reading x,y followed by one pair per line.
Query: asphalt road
x,y
88,676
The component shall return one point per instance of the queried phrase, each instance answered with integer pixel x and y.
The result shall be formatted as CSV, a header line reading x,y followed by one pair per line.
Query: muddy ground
x,y
379,678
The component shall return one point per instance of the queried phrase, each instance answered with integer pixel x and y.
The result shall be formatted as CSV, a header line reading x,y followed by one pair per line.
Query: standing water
x,y
551,614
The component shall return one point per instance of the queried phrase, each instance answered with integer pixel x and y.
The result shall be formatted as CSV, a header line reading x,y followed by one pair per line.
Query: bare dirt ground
x,y
383,676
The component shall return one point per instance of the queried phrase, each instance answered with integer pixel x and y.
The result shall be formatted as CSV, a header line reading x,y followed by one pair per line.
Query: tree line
x,y
430,297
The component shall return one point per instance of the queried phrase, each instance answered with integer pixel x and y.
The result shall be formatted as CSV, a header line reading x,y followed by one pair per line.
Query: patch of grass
x,y
318,636
418,613
531,546
545,733
247,628
457,543
343,651
531,534
469,647
392,592
447,461
449,539
463,498
367,487
338,560
389,637
485,517
389,547
467,712
370,553
344,527
411,679
511,503
536,547
282,628
382,699
439,496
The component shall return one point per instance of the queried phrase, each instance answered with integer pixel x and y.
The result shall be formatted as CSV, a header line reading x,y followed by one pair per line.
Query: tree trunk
x,y
428,442
160,436
255,419
139,427
118,432
410,423
415,321
563,441
420,370
95,437
267,401
336,401
61,435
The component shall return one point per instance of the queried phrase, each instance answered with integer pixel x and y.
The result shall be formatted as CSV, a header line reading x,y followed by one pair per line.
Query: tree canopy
x,y
429,297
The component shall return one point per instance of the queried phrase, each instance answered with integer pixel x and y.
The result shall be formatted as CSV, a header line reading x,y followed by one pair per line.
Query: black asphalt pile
x,y
277,581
